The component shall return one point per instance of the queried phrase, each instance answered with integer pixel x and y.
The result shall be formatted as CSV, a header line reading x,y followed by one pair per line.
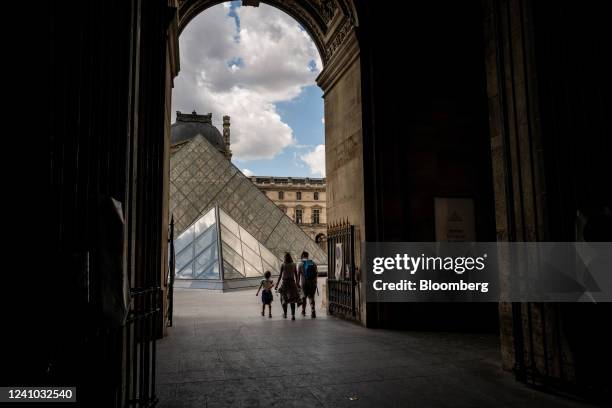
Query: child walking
x,y
266,294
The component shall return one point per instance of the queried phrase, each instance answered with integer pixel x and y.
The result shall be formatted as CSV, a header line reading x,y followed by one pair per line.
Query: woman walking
x,y
289,289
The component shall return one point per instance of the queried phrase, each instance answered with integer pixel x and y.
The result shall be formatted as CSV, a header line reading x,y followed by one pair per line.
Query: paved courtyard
x,y
222,353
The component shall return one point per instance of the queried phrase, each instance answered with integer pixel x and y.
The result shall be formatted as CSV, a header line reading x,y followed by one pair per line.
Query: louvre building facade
x,y
228,233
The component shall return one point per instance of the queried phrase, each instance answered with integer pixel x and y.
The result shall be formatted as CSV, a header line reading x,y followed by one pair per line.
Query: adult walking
x,y
307,271
289,289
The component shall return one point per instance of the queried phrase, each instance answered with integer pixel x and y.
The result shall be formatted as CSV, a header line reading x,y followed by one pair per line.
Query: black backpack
x,y
310,270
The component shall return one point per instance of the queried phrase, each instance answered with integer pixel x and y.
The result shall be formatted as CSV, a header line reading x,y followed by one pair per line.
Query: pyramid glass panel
x,y
230,224
232,244
186,272
241,262
251,271
196,249
274,269
233,258
206,239
229,273
184,257
183,240
204,222
207,265
269,258
249,240
211,272
205,258
252,258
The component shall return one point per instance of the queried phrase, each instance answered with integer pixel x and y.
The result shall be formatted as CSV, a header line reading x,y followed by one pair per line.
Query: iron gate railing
x,y
341,280
171,271
140,347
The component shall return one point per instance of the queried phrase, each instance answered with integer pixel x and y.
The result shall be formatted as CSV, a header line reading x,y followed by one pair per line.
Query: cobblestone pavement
x,y
222,353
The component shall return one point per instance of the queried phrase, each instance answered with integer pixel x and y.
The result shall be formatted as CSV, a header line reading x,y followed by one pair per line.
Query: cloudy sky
x,y
258,66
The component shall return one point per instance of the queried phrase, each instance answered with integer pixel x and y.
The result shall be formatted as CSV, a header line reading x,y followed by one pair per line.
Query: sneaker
x,y
313,314
293,317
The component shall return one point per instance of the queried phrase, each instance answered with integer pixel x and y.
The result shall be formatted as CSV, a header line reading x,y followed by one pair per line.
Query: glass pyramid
x,y
202,178
215,252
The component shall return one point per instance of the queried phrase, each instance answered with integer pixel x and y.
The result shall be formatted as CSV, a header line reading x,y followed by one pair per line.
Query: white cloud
x,y
315,159
244,74
247,172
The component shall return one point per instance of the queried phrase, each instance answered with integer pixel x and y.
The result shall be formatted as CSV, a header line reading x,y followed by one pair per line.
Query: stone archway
x,y
111,81
332,24
329,22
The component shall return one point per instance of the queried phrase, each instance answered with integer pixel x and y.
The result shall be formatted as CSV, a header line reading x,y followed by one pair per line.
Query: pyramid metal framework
x,y
201,178
215,252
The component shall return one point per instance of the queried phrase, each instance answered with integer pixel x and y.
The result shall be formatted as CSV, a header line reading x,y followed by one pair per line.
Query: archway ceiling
x,y
327,21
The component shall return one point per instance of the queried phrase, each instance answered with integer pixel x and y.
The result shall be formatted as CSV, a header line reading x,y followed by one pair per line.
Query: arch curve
x,y
320,18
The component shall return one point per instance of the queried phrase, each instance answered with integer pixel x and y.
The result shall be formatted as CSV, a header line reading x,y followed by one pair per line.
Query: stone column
x,y
172,69
340,81
531,339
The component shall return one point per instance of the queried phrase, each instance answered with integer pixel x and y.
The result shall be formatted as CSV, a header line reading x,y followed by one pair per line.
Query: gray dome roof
x,y
188,126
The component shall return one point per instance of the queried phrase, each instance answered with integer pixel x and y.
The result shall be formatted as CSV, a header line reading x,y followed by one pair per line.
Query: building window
x,y
281,195
315,215
298,215
298,195
316,195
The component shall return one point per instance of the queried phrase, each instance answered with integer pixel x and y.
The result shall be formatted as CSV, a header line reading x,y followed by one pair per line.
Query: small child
x,y
266,294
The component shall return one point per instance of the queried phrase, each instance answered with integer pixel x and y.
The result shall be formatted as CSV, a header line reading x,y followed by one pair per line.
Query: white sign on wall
x,y
338,261
455,219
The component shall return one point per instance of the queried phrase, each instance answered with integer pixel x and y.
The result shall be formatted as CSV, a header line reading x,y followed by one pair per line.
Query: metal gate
x,y
171,271
140,335
341,282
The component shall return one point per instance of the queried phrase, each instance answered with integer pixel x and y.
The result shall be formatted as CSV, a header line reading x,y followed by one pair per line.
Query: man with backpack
x,y
307,270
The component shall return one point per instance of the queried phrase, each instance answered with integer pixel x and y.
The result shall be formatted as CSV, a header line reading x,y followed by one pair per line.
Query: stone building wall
x,y
283,191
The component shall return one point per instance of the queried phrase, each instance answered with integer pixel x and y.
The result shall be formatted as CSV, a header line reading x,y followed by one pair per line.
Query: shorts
x,y
266,297
310,288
